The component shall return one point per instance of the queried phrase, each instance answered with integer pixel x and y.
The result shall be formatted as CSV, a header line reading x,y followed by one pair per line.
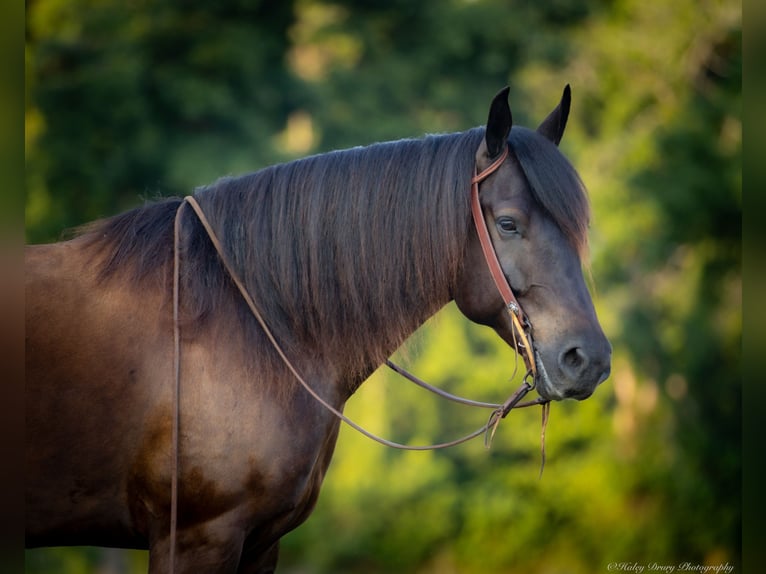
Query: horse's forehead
x,y
510,185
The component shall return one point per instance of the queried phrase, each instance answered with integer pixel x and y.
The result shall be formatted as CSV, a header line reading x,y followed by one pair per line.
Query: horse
x,y
345,254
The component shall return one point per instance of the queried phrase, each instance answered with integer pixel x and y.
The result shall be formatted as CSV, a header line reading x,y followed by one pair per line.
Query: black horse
x,y
345,255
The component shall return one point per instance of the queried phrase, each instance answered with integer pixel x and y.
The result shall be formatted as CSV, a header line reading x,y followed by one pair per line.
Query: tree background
x,y
126,101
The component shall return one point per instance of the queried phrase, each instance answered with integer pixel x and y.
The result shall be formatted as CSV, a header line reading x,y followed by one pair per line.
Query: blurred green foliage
x,y
128,100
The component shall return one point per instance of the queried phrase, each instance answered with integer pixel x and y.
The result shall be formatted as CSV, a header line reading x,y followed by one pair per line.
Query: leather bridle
x,y
521,333
521,326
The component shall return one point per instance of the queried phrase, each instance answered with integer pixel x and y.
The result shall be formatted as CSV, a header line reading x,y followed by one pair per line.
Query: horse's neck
x,y
347,255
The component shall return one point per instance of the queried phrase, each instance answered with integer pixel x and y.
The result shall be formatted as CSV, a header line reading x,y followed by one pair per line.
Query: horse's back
x,y
86,397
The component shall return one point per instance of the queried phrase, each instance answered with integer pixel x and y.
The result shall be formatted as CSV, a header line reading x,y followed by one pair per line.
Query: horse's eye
x,y
507,225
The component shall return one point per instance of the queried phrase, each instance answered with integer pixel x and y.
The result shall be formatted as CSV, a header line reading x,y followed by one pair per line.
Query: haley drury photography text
x,y
638,567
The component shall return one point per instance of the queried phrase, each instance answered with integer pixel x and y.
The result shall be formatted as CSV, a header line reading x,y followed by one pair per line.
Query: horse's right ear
x,y
499,124
553,126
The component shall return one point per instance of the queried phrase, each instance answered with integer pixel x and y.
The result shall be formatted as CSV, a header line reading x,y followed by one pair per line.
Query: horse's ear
x,y
553,126
498,124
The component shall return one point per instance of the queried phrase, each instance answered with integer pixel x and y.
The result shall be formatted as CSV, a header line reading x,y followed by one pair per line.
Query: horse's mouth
x,y
545,387
549,391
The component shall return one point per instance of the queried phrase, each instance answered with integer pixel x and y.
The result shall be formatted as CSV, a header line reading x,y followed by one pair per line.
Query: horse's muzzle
x,y
575,373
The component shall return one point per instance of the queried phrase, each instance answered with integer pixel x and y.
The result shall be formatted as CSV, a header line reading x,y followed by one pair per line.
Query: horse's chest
x,y
239,461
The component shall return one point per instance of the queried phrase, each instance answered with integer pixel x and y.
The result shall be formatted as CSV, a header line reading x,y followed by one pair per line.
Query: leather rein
x,y
521,333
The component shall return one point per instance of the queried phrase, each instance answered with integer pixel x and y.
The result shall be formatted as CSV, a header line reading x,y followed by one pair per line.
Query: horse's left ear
x,y
498,124
553,126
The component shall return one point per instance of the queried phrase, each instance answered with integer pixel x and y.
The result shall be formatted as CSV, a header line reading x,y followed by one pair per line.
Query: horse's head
x,y
537,215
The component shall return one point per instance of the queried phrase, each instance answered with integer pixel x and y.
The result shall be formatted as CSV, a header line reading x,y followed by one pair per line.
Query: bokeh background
x,y
129,100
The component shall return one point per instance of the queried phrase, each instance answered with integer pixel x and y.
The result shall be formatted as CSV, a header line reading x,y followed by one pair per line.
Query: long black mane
x,y
345,253
554,184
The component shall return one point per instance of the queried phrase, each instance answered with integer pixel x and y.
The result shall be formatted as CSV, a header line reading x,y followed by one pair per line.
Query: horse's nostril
x,y
574,360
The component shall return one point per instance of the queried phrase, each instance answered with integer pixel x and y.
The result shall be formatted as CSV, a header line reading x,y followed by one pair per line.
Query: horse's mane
x,y
345,253
554,184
